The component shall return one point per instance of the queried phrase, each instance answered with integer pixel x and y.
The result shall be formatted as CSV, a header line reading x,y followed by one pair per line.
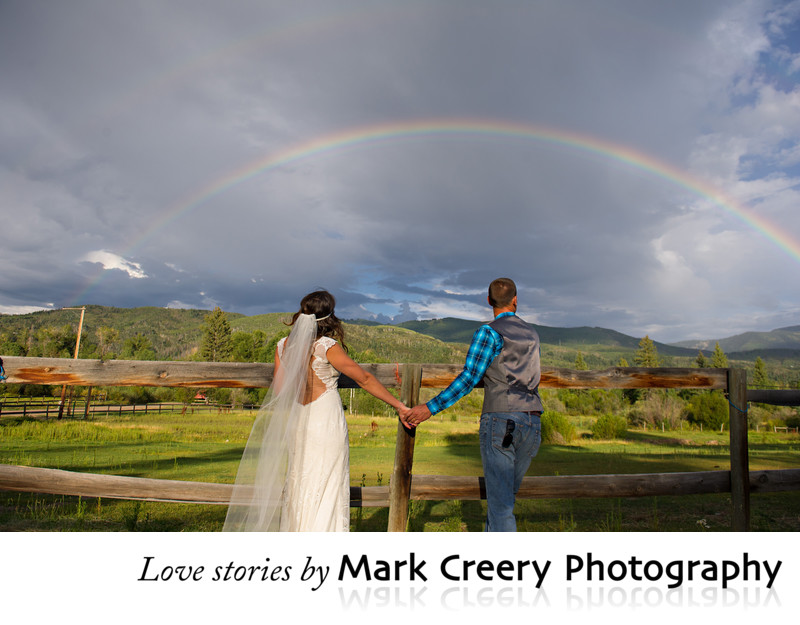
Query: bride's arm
x,y
275,381
349,367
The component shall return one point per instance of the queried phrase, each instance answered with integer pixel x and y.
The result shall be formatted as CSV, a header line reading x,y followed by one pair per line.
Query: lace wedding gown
x,y
294,474
316,495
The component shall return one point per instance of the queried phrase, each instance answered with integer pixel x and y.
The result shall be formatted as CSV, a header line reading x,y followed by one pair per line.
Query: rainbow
x,y
378,133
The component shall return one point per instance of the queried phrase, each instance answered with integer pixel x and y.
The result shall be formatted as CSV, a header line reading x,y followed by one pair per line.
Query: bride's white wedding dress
x,y
294,474
317,492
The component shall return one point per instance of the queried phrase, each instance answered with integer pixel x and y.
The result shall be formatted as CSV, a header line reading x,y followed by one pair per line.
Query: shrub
x,y
610,426
784,416
659,407
709,409
757,416
584,402
557,429
131,394
551,401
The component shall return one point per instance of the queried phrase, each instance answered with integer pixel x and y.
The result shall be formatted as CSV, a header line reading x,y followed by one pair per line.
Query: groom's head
x,y
502,293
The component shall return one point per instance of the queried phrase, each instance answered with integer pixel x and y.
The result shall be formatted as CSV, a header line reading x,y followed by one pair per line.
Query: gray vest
x,y
511,382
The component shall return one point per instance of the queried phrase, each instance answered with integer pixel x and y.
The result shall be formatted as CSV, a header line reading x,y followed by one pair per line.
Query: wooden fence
x,y
79,407
410,378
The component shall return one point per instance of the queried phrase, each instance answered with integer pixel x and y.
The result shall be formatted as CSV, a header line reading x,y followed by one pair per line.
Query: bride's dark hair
x,y
321,305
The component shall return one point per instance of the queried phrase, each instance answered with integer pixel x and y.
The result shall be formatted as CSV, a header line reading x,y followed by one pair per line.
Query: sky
x,y
631,165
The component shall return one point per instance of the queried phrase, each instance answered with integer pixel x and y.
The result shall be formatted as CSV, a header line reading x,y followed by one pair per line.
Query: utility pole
x,y
77,348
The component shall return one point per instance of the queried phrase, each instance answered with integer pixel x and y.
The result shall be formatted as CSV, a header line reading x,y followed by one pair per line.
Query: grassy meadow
x,y
206,446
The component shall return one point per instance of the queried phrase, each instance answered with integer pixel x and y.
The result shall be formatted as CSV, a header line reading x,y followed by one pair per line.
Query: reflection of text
x,y
459,598
466,597
383,597
684,597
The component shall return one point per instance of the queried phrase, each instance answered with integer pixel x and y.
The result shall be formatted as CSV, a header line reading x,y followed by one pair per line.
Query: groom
x,y
505,355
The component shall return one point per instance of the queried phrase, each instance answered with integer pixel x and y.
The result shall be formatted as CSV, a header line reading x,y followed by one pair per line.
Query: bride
x,y
295,475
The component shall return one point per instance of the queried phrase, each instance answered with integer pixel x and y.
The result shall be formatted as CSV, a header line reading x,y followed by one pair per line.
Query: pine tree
x,y
647,354
580,363
718,359
760,378
138,347
216,345
701,361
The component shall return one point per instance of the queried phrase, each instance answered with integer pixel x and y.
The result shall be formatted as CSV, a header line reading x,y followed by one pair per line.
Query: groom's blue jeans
x,y
508,440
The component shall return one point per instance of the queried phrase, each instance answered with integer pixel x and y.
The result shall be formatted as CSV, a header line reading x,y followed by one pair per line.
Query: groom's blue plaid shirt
x,y
486,344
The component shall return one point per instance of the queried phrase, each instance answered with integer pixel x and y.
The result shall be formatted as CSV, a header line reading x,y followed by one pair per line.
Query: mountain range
x,y
781,340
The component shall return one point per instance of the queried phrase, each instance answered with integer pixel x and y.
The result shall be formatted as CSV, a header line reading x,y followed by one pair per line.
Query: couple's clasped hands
x,y
412,417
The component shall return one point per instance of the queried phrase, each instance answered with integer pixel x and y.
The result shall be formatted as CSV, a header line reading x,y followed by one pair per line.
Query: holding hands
x,y
402,412
414,416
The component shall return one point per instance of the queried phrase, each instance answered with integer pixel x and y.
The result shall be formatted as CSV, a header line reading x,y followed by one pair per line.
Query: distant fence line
x,y
46,409
410,378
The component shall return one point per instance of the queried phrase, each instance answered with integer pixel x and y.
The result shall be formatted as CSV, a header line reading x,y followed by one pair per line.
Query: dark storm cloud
x,y
114,117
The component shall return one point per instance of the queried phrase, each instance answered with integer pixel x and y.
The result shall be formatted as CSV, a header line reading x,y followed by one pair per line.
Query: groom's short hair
x,y
501,292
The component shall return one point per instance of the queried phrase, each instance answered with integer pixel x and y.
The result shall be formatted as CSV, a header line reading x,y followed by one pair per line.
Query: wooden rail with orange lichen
x,y
739,481
58,371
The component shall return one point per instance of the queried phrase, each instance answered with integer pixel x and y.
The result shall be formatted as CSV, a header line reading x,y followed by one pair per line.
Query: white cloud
x,y
178,304
22,310
109,260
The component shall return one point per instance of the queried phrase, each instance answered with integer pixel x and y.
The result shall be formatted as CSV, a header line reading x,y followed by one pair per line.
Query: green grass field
x,y
207,446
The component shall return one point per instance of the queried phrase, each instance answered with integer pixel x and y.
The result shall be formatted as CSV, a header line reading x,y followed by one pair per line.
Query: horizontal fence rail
x,y
423,487
777,397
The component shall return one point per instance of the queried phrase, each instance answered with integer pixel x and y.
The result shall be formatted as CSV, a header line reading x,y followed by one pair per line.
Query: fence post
x,y
400,485
88,402
740,464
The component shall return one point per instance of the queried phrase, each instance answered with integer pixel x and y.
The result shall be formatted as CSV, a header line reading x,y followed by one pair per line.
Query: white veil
x,y
257,496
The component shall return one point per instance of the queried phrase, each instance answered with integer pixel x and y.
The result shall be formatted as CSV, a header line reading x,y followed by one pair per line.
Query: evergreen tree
x,y
9,346
216,345
268,352
242,347
760,379
701,361
138,347
718,359
647,354
56,342
580,363
261,353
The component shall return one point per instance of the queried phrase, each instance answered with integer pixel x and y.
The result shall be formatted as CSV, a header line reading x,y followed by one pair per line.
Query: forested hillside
x,y
171,334
175,334
152,333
